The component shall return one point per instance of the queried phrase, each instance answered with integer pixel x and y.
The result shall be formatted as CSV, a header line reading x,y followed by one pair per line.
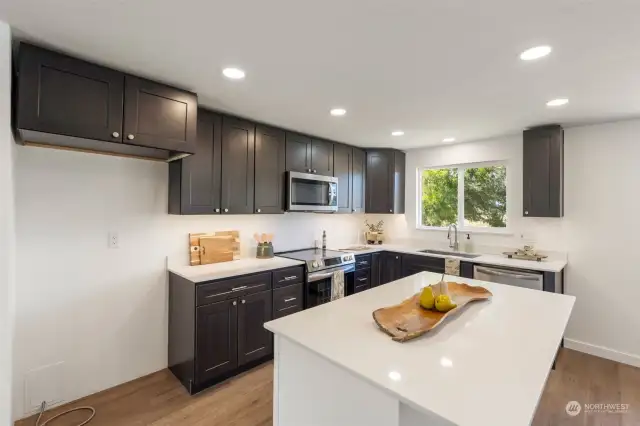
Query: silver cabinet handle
x,y
243,301
291,299
308,170
235,303
239,288
362,279
115,134
258,210
364,262
226,210
130,137
397,257
391,211
314,171
292,277
217,210
526,212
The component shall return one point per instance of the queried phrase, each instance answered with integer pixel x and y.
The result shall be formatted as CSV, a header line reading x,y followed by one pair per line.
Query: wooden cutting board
x,y
409,320
214,247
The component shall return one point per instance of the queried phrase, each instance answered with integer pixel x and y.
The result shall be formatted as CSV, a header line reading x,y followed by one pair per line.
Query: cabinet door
x,y
159,116
198,176
65,96
398,182
375,269
217,339
379,185
298,158
269,170
413,264
358,180
238,166
343,164
322,157
543,172
254,341
390,267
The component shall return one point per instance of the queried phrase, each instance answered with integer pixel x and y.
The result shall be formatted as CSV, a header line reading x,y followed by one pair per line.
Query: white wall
x,y
598,231
7,227
103,311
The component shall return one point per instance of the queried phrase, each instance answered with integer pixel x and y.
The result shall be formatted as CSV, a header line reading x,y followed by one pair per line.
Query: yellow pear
x,y
444,303
427,300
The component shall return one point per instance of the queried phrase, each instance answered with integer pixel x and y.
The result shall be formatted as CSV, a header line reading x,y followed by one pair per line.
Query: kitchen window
x,y
474,197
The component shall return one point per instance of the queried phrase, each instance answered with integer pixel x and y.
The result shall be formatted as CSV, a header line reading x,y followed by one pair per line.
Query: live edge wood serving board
x,y
409,320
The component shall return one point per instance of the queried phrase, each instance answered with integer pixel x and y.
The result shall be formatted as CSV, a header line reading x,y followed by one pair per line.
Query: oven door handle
x,y
317,276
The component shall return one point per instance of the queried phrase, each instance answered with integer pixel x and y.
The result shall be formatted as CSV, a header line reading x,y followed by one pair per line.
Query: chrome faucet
x,y
455,245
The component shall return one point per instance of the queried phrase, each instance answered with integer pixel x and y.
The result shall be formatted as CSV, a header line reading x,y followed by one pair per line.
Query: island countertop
x,y
486,365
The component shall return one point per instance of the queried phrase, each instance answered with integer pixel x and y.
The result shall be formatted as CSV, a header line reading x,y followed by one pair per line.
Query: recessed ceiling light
x,y
337,112
558,102
233,73
397,133
535,53
447,140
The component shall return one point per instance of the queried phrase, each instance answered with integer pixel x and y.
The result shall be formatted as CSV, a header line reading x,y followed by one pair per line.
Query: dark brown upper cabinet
x,y
66,102
306,155
385,181
254,341
238,166
159,116
195,181
66,96
298,157
358,173
269,170
343,170
217,339
322,157
543,172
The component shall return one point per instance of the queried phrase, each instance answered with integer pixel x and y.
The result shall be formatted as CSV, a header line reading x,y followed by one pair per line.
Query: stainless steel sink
x,y
451,253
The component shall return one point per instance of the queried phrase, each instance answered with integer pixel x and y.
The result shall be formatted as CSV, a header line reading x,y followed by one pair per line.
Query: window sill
x,y
492,231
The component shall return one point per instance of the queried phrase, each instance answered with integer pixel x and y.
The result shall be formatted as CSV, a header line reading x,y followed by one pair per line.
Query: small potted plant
x,y
374,233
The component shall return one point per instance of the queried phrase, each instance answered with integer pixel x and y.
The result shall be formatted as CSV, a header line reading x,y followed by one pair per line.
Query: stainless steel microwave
x,y
311,193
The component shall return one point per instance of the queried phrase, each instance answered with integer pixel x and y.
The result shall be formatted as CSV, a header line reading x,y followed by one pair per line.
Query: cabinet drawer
x,y
285,277
363,261
287,300
362,280
240,286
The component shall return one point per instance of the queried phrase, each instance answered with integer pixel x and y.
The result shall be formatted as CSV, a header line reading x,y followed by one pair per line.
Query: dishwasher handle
x,y
497,273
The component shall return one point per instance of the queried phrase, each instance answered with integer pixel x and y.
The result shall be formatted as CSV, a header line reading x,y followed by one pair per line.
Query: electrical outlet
x,y
44,384
114,241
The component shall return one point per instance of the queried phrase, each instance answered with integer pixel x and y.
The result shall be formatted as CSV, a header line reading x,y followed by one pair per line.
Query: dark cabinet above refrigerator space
x,y
543,172
70,103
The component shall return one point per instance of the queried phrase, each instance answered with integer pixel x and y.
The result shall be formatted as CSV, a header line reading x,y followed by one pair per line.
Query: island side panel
x,y
311,391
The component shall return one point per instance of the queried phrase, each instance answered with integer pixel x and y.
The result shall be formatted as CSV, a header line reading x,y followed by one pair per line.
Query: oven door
x,y
318,286
311,193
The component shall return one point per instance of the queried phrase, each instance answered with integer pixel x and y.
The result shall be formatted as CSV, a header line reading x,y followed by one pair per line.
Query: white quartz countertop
x,y
485,366
485,259
234,268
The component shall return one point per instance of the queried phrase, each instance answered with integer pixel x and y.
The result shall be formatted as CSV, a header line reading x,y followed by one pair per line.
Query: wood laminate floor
x,y
159,399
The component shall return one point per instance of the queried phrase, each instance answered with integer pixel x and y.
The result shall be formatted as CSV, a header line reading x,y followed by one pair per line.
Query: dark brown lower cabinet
x,y
254,341
390,267
217,339
375,269
413,264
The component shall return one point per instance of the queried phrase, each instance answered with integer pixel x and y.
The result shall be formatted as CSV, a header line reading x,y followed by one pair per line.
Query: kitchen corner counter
x,y
216,271
555,265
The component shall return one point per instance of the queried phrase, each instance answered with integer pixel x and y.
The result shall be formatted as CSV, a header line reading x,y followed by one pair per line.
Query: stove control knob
x,y
314,264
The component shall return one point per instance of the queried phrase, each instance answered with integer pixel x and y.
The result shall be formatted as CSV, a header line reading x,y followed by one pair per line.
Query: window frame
x,y
460,222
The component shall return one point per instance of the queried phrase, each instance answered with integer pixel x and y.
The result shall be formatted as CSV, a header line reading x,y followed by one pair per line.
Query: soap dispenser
x,y
468,244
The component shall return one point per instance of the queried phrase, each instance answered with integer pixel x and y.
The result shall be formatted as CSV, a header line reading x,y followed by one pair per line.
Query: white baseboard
x,y
602,352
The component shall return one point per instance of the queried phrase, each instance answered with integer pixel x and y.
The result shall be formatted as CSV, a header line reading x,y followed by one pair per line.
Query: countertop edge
x,y
212,276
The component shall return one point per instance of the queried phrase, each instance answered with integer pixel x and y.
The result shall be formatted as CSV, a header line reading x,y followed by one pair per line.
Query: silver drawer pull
x,y
217,294
362,279
288,307
291,299
364,262
292,277
239,288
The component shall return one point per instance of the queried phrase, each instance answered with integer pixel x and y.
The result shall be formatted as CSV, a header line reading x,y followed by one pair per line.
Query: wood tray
x,y
409,320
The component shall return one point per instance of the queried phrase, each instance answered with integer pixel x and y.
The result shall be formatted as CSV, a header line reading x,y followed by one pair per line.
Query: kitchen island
x,y
485,366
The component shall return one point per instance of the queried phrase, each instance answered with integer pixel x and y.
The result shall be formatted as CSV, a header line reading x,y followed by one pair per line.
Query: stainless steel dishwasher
x,y
508,276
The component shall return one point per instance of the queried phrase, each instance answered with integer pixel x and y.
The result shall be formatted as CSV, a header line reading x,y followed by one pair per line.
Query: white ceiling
x,y
433,68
